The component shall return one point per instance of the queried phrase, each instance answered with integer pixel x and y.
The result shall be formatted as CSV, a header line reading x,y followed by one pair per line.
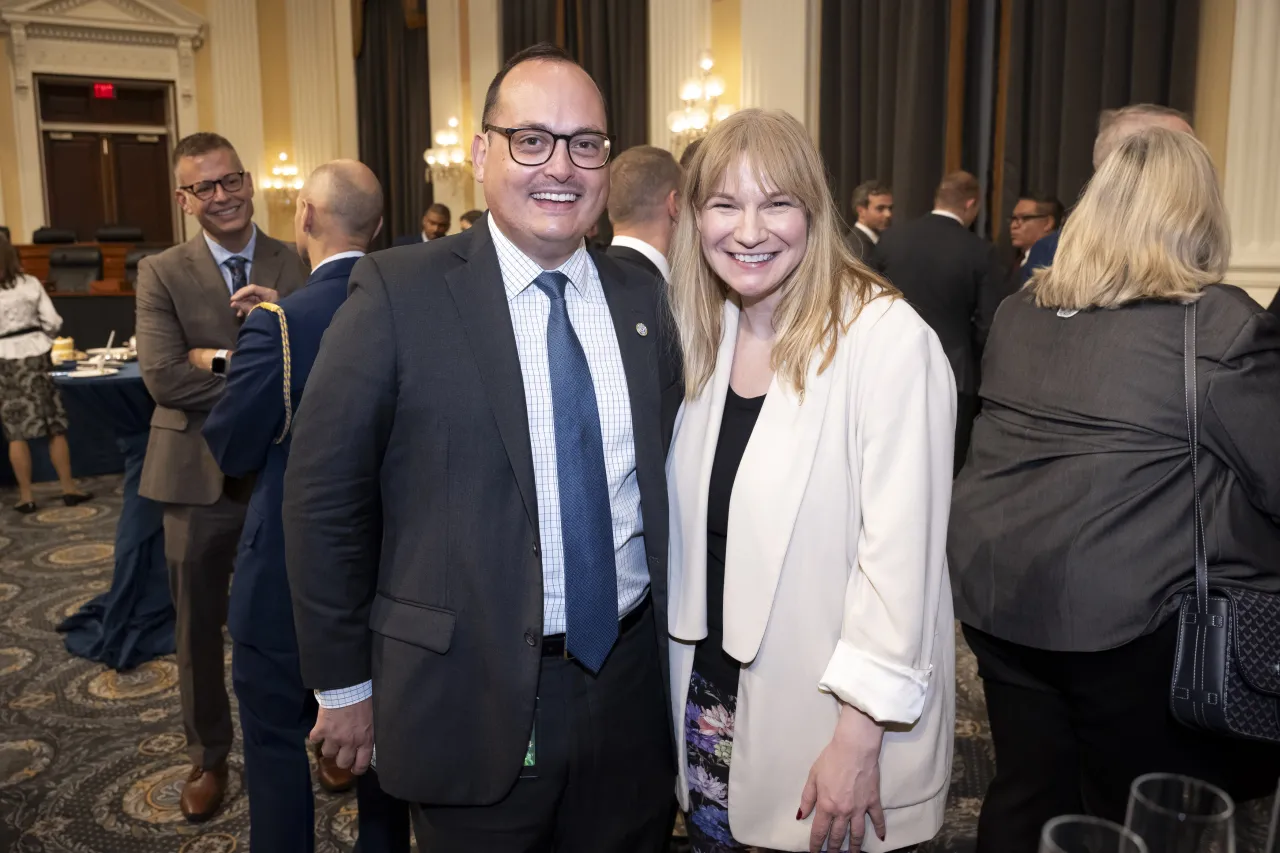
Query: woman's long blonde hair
x,y
824,293
1151,224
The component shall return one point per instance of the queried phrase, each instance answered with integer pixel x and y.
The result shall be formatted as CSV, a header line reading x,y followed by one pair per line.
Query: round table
x,y
133,621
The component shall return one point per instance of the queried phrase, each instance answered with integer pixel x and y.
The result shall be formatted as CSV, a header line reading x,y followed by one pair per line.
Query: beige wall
x,y
726,48
277,114
1213,77
204,68
12,213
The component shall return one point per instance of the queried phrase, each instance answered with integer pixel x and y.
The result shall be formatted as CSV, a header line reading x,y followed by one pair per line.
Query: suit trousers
x,y
603,772
967,408
200,548
1072,730
277,713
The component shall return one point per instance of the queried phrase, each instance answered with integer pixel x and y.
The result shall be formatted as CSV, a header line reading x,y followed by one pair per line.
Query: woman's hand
x,y
844,784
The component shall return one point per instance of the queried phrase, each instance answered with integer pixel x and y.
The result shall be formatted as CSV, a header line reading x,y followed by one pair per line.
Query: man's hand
x,y
346,735
201,358
246,298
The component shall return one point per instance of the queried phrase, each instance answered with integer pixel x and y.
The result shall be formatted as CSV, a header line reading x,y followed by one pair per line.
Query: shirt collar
x,y
519,270
948,214
871,234
221,255
648,250
352,254
425,238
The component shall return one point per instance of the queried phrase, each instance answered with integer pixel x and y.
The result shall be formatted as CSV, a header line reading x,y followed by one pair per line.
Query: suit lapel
x,y
268,261
213,286
481,299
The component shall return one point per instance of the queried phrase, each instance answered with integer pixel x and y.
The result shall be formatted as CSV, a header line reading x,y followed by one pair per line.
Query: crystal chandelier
x,y
447,161
702,109
283,185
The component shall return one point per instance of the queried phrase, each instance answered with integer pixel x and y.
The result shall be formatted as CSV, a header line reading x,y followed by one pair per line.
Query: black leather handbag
x,y
1226,674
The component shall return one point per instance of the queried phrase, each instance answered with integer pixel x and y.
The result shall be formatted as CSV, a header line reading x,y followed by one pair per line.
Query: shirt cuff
x,y
885,691
331,699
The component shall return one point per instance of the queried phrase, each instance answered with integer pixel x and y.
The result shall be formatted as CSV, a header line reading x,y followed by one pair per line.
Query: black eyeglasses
x,y
532,146
1024,218
205,190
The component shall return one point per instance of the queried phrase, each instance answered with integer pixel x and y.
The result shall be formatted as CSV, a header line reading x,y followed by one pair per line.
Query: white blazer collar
x,y
767,493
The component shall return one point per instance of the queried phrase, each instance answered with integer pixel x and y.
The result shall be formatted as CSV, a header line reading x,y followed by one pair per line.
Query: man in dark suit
x,y
435,224
953,278
190,302
872,214
338,214
475,509
1114,127
1034,217
643,184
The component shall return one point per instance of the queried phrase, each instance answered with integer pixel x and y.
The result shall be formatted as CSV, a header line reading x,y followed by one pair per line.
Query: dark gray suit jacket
x,y
411,515
1071,523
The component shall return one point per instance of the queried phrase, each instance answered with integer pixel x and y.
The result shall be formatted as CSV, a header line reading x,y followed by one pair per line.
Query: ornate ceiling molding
x,y
161,23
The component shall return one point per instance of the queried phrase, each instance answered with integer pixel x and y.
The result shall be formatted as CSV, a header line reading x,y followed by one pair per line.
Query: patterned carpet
x,y
92,761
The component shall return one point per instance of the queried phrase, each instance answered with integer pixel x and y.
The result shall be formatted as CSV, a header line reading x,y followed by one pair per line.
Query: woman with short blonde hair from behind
x,y
812,654
1071,527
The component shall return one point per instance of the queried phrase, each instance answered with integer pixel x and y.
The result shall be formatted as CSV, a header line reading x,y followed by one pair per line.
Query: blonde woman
x,y
810,474
1071,535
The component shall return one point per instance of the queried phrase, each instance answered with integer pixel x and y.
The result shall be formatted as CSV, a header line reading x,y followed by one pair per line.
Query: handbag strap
x,y
1193,444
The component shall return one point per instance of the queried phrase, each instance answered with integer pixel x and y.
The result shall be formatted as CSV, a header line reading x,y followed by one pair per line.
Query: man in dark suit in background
x,y
471,217
476,511
435,224
190,302
1034,217
954,279
873,213
248,432
643,184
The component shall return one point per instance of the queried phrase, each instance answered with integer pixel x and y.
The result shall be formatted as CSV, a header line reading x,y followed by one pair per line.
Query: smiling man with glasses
x,y
476,512
190,301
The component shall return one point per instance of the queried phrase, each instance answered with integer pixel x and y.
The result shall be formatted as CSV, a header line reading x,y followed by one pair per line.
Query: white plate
x,y
87,372
119,353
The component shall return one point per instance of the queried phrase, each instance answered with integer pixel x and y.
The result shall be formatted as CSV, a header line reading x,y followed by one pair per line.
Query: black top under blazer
x,y
1071,523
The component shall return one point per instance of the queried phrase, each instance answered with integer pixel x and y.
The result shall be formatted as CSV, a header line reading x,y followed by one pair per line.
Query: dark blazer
x,y
411,518
183,304
631,256
953,278
1274,307
243,433
408,240
1040,254
1071,521
861,245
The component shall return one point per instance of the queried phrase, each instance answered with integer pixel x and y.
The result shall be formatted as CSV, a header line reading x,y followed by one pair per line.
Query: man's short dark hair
x,y
956,189
471,217
686,156
198,144
1049,204
441,209
540,52
640,179
863,192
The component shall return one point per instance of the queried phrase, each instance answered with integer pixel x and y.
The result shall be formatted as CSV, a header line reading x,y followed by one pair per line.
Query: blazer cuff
x,y
332,699
886,692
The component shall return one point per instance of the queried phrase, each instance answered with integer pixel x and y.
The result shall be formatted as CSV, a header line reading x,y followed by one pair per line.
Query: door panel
x,y
141,177
77,192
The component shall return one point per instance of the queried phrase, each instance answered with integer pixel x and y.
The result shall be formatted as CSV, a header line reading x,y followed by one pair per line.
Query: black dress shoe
x,y
26,508
75,498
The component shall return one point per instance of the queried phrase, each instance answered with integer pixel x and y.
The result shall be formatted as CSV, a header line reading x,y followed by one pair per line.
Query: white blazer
x,y
835,574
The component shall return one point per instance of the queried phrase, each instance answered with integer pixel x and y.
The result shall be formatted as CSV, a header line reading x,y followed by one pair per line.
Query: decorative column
x,y
237,90
679,30
1253,140
313,85
31,179
775,56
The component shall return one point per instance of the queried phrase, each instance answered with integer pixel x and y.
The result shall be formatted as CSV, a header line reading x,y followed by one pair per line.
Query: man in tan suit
x,y
191,300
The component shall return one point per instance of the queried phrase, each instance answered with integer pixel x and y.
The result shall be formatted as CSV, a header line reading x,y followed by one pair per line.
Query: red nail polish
x,y
800,813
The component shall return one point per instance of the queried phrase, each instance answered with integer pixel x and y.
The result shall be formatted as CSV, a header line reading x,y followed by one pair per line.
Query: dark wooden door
x,y
140,184
76,180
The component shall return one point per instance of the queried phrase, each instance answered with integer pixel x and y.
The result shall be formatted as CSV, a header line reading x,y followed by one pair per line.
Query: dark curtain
x,y
610,38
882,98
1071,59
394,109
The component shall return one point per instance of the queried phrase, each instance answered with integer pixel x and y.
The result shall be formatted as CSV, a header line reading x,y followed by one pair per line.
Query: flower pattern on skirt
x,y
708,742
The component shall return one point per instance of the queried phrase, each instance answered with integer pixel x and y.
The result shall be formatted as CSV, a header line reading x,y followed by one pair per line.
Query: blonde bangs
x,y
824,293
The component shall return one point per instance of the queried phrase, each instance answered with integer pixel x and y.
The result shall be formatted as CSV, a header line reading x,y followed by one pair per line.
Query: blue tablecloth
x,y
133,621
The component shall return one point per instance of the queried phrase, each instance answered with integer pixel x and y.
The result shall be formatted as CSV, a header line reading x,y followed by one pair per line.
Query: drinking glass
x,y
1178,814
1078,834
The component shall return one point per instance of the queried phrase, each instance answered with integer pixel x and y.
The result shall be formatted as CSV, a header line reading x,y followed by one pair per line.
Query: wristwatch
x,y
221,358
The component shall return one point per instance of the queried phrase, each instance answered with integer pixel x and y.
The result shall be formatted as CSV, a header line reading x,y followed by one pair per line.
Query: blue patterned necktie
x,y
237,265
586,523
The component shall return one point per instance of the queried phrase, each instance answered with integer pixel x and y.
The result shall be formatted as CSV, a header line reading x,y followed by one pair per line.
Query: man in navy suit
x,y
248,431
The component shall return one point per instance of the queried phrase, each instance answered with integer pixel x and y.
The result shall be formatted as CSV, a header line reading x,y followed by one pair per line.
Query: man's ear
x,y
479,153
673,205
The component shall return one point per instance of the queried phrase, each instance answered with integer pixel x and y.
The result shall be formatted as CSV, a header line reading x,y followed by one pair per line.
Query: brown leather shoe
x,y
333,778
202,794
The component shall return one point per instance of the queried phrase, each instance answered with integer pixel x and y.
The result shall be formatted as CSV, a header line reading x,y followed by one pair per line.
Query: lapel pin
x,y
642,329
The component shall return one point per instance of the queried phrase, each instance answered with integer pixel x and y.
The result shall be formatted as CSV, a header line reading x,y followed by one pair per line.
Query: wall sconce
x,y
283,185
702,109
447,161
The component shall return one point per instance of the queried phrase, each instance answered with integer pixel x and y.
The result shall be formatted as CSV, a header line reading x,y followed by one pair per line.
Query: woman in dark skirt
x,y
30,406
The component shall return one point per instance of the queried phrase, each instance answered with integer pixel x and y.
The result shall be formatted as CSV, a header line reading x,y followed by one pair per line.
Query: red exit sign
x,y
104,90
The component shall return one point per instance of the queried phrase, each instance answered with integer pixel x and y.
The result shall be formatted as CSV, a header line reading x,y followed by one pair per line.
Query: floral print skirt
x,y
708,746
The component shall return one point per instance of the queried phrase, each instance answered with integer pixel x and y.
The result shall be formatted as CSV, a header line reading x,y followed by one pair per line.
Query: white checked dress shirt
x,y
593,324
221,256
